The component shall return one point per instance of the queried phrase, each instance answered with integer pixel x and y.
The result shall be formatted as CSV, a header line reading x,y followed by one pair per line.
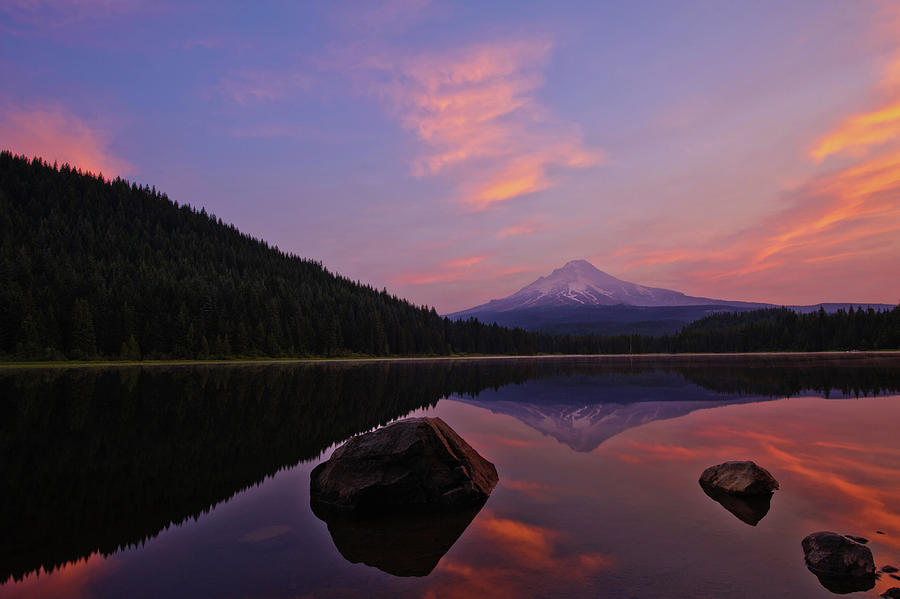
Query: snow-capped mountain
x,y
578,298
579,283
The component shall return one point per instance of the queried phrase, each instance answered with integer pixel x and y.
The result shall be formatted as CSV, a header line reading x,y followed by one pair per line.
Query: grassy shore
x,y
854,355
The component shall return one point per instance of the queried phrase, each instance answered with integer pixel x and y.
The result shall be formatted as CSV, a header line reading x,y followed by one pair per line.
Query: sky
x,y
453,152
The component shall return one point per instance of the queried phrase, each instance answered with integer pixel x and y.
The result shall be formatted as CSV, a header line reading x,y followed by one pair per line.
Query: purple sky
x,y
454,152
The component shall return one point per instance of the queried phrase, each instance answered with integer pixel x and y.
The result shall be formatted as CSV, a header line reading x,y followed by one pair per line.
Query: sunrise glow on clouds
x,y
456,153
477,106
58,136
847,216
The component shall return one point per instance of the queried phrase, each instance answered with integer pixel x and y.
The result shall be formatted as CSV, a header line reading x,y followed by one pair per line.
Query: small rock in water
x,y
413,464
892,593
880,532
894,576
840,564
889,569
862,540
739,478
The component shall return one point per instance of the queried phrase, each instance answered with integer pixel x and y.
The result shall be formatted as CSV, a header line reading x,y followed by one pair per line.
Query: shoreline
x,y
843,355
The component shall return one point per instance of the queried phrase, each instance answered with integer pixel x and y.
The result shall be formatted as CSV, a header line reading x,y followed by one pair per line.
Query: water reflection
x,y
843,585
402,545
511,558
97,460
100,459
748,508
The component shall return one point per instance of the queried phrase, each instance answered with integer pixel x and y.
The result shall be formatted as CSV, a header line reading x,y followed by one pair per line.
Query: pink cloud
x,y
835,238
476,114
56,135
472,268
464,262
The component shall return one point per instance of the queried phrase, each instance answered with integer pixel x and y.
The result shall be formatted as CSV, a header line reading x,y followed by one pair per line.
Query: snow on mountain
x,y
580,283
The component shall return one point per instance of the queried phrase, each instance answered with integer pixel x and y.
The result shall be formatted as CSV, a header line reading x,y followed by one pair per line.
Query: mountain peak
x,y
582,266
577,263
580,283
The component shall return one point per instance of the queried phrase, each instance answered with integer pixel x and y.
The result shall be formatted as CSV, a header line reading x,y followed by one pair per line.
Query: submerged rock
x,y
401,545
840,564
892,593
890,569
747,508
738,478
417,464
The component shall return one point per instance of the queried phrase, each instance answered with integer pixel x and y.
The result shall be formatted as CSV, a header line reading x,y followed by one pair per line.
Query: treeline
x,y
97,269
767,330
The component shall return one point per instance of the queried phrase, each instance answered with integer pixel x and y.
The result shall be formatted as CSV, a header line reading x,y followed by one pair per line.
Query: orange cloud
x,y
56,135
476,112
523,556
860,132
841,226
834,238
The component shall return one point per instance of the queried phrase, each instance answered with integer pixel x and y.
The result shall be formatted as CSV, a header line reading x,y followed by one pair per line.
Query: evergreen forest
x,y
95,269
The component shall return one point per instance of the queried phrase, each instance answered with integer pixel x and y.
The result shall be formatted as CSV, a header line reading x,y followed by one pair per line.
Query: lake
x,y
193,481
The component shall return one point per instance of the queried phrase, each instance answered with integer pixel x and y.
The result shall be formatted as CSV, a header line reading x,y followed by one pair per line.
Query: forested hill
x,y
97,269
92,268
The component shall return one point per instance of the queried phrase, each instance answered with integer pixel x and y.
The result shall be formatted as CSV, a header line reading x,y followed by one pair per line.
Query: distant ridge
x,y
579,298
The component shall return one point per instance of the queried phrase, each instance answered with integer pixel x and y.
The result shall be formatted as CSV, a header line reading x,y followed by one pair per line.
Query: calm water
x,y
194,481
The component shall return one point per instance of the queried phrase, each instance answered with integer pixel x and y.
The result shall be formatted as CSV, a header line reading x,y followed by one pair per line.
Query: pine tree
x,y
83,339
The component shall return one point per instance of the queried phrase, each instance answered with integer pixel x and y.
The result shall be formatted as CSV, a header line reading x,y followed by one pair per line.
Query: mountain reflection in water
x,y
97,460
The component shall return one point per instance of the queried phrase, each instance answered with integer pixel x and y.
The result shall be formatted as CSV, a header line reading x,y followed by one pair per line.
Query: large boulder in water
x,y
841,564
738,478
413,464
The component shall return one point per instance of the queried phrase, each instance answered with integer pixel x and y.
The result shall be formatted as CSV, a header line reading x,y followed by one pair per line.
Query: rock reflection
x,y
401,545
843,585
750,508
